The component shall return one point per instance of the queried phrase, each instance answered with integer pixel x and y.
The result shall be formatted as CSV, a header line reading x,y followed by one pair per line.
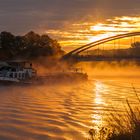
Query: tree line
x,y
29,46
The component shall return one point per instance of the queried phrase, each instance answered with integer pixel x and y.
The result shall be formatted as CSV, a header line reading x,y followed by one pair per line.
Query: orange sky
x,y
79,33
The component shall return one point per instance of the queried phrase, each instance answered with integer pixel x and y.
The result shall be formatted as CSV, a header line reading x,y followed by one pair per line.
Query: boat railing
x,y
76,70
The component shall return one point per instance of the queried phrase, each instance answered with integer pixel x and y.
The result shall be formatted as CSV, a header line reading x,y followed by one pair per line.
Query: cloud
x,y
80,33
20,16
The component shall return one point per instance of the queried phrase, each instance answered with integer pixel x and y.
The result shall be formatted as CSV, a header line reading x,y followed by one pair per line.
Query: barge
x,y
16,72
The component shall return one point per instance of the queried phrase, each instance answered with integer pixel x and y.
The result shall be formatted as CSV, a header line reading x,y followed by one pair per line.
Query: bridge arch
x,y
98,42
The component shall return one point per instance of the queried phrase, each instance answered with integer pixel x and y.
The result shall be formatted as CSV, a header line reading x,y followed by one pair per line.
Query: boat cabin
x,y
17,70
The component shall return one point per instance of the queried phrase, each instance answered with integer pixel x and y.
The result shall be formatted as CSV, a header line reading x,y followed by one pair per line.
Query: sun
x,y
98,37
97,27
102,27
107,31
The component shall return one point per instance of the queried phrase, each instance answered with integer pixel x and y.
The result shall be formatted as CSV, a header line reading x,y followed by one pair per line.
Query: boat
x,y
71,75
16,72
22,72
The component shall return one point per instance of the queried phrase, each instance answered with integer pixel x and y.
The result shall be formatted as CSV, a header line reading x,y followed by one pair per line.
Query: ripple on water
x,y
59,113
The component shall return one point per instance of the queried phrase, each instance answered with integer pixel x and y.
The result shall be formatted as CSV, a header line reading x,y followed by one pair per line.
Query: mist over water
x,y
67,112
114,68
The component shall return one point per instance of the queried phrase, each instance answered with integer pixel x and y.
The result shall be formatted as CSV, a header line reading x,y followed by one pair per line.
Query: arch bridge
x,y
96,43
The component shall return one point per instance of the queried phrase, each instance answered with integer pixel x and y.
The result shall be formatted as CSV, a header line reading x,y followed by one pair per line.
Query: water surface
x,y
63,112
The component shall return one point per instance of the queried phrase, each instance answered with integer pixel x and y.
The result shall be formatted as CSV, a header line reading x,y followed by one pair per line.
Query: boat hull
x,y
50,79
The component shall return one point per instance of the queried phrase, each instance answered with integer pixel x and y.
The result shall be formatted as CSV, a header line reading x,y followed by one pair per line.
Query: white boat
x,y
16,72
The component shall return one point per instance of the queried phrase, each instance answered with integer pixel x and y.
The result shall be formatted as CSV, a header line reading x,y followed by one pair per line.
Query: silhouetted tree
x,y
135,45
135,49
7,43
29,46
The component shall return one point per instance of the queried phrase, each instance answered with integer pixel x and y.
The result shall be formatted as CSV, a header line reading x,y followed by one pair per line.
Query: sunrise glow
x,y
78,34
101,27
69,69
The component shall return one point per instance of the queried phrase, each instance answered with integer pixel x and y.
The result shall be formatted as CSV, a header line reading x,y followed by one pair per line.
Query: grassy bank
x,y
125,127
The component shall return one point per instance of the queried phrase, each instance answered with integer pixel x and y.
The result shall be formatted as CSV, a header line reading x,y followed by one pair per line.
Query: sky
x,y
71,22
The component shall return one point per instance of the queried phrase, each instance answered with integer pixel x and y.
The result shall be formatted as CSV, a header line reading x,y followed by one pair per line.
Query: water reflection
x,y
98,103
60,112
99,87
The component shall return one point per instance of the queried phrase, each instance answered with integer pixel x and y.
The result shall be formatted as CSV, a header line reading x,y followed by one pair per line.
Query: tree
x,y
136,49
31,40
29,46
135,45
8,43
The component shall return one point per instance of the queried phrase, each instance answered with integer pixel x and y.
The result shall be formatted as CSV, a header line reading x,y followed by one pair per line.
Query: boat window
x,y
1,68
13,69
4,68
19,75
23,75
11,75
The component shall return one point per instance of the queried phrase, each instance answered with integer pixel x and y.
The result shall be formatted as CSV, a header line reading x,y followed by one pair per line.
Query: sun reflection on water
x,y
99,88
98,103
